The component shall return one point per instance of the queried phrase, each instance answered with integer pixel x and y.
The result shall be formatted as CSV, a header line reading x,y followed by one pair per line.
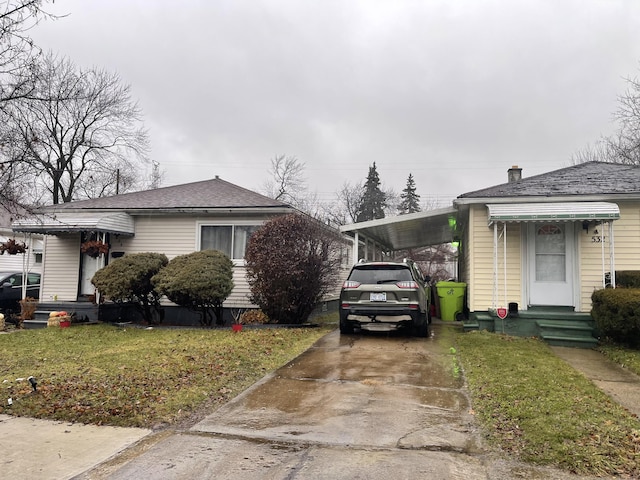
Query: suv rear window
x,y
369,274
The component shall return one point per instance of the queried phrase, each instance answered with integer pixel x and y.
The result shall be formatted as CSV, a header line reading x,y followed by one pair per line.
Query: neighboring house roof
x,y
113,214
594,179
206,194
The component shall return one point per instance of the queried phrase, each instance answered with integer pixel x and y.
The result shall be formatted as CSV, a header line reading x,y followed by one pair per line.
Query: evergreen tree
x,y
374,200
410,200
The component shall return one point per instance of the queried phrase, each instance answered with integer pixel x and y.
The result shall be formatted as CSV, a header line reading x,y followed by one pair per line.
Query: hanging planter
x,y
12,247
94,248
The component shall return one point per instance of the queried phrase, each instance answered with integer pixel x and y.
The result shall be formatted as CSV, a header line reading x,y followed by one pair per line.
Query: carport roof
x,y
412,230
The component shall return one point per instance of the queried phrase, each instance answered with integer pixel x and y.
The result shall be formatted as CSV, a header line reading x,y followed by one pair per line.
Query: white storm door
x,y
90,266
551,263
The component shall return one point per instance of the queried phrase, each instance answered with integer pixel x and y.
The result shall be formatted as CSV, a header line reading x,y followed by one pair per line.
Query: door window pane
x,y
550,253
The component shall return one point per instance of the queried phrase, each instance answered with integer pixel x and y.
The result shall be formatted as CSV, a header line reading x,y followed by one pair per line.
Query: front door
x,y
551,263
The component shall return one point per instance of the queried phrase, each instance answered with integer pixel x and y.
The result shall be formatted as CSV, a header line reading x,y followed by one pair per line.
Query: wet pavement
x,y
365,406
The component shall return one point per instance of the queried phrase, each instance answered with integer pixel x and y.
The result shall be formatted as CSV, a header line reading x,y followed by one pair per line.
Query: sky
x,y
454,92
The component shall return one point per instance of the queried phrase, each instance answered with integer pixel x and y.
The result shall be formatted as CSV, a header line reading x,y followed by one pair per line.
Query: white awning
x,y
52,224
412,230
558,212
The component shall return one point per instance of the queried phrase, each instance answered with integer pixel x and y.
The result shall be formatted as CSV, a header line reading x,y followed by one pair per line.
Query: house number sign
x,y
597,238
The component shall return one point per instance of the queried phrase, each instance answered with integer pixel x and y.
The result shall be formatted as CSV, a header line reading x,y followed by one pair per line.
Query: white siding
x,y
179,235
61,270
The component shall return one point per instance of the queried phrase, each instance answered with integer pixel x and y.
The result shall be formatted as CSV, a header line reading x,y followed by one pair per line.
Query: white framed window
x,y
231,240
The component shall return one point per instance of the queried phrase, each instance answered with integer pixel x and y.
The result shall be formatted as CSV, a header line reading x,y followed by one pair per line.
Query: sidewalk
x,y
621,385
46,450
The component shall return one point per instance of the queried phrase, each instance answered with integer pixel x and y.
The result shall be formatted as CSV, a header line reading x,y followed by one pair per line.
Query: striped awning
x,y
558,212
53,224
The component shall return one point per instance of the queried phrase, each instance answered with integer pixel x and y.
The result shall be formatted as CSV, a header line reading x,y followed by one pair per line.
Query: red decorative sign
x,y
502,313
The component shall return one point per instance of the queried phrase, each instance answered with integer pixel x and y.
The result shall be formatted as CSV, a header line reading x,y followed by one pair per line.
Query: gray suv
x,y
384,296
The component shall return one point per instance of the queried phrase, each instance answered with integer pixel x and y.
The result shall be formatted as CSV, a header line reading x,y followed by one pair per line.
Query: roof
x,y
412,230
113,214
595,179
206,194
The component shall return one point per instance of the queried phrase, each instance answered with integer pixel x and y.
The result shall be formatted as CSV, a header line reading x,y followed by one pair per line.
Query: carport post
x,y
356,242
495,265
612,261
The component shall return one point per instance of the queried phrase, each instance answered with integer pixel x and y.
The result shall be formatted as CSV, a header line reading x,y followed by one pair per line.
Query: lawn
x,y
137,377
538,408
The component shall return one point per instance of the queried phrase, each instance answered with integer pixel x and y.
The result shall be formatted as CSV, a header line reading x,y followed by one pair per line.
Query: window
x,y
231,240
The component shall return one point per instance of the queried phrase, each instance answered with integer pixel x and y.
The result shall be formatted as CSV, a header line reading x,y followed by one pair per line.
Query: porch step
x,y
570,341
567,333
35,323
470,326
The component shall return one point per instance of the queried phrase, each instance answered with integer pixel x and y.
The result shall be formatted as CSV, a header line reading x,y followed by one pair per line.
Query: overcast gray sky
x,y
452,91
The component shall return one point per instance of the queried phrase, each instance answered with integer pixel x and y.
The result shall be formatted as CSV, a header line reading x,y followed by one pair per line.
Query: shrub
x,y
291,263
628,278
616,312
200,281
128,279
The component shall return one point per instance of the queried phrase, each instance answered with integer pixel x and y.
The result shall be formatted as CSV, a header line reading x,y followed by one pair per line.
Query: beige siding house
x,y
172,220
549,240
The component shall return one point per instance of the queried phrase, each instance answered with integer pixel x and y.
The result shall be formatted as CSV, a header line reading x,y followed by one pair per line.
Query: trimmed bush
x,y
628,278
200,281
616,312
128,280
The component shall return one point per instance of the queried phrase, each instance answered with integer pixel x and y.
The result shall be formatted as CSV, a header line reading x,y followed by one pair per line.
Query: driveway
x,y
364,406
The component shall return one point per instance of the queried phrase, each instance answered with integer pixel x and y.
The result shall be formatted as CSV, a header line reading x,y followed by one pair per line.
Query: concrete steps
x,y
558,326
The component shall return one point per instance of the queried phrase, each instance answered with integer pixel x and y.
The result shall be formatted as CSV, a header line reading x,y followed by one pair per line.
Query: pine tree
x,y
410,199
374,200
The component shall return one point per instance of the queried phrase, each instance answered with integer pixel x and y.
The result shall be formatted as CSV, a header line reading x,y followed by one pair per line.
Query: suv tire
x,y
346,327
421,326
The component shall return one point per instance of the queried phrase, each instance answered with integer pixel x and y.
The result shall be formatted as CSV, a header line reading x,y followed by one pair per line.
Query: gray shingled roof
x,y
590,178
207,194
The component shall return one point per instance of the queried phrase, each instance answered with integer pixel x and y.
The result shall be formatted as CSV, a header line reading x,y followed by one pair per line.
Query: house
x,y
210,214
532,250
31,261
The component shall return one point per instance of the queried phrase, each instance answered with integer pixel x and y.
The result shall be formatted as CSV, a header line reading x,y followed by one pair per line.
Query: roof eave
x,y
460,201
183,210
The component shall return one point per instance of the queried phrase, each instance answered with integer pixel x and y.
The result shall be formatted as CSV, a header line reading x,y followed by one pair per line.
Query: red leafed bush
x,y
291,262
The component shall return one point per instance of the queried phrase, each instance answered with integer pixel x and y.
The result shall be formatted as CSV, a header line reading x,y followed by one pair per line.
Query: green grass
x,y
136,377
625,357
538,408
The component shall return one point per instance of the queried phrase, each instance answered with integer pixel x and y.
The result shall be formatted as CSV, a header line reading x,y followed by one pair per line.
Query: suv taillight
x,y
350,284
407,284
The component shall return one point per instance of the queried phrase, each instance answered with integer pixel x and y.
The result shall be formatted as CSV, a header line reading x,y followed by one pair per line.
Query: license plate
x,y
379,297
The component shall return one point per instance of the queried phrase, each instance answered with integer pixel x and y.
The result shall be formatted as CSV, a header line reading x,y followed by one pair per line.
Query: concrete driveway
x,y
364,406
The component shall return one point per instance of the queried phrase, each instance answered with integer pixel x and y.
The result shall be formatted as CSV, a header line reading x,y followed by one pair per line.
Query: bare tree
x,y
344,209
287,182
18,52
624,145
75,133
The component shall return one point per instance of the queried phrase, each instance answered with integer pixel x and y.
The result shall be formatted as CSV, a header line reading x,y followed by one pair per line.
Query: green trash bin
x,y
451,295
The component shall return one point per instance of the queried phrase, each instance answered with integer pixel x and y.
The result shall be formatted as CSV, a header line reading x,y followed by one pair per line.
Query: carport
x,y
413,230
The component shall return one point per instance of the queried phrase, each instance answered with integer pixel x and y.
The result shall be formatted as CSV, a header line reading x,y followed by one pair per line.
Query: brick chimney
x,y
514,174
